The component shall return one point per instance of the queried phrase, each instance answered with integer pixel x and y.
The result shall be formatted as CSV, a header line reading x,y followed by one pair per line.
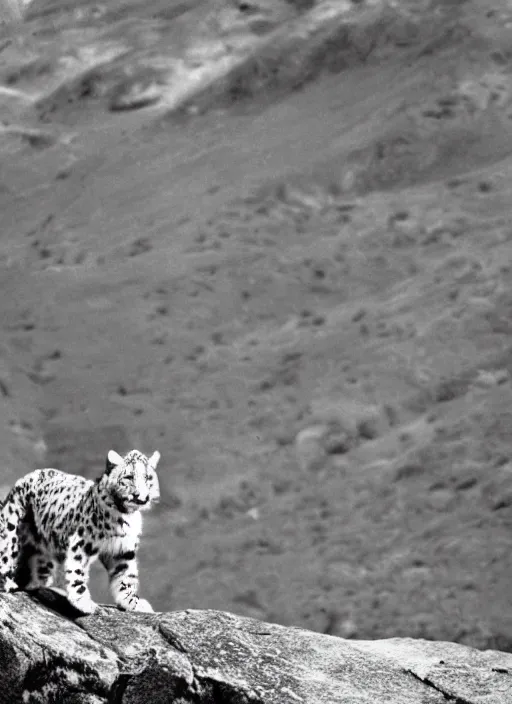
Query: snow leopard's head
x,y
131,481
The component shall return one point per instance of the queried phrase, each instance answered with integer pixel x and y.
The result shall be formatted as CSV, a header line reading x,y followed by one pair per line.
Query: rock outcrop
x,y
50,655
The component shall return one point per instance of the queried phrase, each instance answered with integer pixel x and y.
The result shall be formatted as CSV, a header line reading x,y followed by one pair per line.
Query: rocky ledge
x,y
48,654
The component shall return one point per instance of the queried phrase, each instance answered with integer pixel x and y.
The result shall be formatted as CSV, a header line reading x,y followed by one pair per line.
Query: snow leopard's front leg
x,y
10,517
123,574
77,563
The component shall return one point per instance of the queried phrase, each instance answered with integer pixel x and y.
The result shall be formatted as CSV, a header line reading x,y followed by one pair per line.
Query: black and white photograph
x,y
255,351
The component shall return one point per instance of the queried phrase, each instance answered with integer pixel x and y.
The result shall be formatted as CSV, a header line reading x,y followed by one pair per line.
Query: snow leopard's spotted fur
x,y
51,519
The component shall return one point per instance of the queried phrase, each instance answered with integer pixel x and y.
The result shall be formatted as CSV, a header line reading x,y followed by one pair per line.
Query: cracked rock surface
x,y
48,654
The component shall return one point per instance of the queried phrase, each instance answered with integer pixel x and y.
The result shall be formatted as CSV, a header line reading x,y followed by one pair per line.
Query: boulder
x,y
50,654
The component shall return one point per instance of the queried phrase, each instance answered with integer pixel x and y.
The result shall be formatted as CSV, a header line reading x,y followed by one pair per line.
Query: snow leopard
x,y
52,521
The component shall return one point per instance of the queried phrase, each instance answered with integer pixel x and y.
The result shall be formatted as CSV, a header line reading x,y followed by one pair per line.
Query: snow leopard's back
x,y
49,497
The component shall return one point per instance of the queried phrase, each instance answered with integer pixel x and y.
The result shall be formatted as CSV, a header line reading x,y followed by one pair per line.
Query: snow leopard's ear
x,y
153,460
113,460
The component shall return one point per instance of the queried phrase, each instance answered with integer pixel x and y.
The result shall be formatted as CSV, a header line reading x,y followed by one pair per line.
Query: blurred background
x,y
272,240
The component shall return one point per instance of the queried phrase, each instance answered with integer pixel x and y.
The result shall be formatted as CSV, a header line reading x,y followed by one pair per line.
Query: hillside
x,y
54,655
273,241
